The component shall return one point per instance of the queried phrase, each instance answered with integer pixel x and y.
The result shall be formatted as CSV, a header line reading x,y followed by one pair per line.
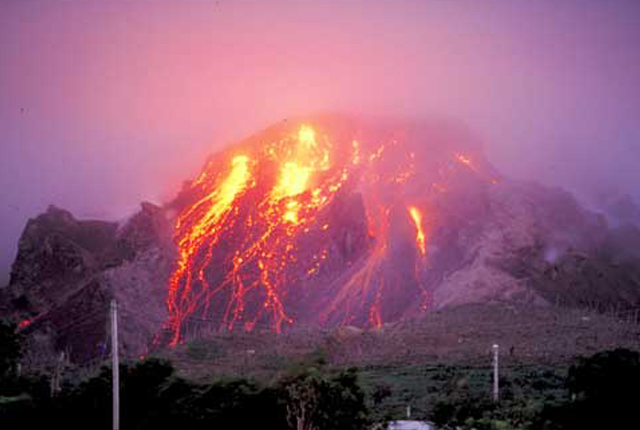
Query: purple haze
x,y
105,104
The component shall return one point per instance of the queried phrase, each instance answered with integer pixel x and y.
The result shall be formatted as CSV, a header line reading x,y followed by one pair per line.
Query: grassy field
x,y
415,363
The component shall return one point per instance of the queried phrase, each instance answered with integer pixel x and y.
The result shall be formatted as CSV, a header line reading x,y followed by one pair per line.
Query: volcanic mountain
x,y
324,221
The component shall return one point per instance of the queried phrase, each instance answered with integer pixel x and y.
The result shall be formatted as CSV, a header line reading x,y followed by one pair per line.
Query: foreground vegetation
x,y
598,392
307,396
306,392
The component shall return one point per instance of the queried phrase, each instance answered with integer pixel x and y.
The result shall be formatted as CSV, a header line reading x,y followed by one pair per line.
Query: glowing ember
x,y
24,324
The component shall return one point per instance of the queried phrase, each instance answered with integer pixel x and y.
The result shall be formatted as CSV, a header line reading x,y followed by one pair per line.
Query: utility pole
x,y
115,365
495,372
57,374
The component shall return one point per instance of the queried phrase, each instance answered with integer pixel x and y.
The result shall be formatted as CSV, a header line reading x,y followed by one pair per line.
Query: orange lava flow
x,y
304,182
199,224
416,216
258,226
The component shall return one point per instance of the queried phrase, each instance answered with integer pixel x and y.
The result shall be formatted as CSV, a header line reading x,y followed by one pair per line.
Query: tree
x,y
319,400
303,401
603,390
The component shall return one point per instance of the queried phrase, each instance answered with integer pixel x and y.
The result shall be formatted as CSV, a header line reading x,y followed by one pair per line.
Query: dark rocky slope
x,y
489,242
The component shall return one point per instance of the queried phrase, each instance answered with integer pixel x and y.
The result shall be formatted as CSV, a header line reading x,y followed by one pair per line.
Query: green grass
x,y
422,387
443,357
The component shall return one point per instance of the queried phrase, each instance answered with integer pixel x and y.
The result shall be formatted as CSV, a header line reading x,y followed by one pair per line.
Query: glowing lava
x,y
416,216
198,226
295,174
263,228
256,230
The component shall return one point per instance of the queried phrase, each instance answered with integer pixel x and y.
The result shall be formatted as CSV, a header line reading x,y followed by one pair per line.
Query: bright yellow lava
x,y
194,231
416,216
296,173
221,198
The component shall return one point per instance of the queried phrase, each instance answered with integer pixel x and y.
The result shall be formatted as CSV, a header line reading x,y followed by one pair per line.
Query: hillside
x,y
317,224
413,363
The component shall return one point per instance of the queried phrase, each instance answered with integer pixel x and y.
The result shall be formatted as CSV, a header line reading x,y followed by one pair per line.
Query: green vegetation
x,y
598,392
439,392
318,401
307,396
306,392
603,392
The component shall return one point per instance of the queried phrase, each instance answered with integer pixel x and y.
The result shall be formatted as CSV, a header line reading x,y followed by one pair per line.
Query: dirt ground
x,y
460,336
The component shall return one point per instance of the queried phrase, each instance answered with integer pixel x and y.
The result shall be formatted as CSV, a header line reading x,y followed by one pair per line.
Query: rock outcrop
x,y
67,272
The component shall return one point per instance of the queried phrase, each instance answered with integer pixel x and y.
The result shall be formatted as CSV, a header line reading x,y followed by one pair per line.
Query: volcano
x,y
320,221
324,221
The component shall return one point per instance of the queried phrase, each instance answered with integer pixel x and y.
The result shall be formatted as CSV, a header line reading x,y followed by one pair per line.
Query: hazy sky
x,y
105,104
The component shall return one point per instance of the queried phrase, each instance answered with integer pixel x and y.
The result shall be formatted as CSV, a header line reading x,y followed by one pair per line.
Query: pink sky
x,y
105,104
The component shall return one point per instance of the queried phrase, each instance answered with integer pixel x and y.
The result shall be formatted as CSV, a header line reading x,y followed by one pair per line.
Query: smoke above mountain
x,y
105,105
